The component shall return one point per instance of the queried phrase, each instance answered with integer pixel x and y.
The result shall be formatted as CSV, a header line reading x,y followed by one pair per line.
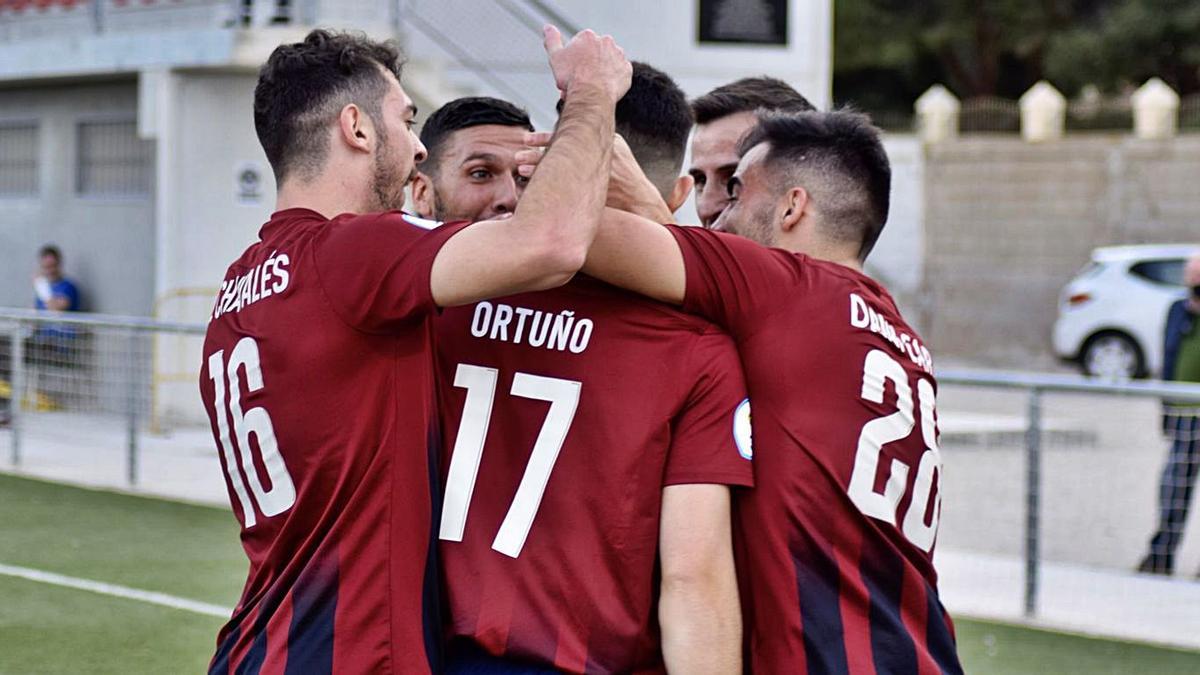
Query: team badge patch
x,y
741,430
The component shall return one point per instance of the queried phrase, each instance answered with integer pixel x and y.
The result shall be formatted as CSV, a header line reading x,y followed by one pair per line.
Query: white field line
x,y
115,591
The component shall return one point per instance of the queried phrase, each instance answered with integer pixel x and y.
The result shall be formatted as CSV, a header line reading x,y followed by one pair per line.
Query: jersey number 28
x,y
480,383
282,493
877,370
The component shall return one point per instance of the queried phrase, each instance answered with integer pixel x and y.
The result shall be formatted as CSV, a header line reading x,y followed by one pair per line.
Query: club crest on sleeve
x,y
741,430
423,223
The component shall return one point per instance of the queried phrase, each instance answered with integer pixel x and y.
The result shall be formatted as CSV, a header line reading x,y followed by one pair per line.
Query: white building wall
x,y
205,129
107,242
663,34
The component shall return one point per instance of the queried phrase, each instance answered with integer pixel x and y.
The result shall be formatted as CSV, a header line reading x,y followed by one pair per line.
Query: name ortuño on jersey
x,y
567,413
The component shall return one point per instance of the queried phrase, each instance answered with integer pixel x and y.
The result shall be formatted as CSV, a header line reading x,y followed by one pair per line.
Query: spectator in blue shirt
x,y
50,343
51,289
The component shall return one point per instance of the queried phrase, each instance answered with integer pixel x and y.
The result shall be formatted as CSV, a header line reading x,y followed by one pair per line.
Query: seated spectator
x,y
49,343
51,289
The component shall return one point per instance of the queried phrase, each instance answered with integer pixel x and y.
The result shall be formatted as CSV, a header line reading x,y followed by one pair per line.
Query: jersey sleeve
x,y
375,269
708,445
730,279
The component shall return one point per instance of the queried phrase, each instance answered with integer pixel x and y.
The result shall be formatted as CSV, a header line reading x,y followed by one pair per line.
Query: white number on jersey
x,y
282,494
877,370
480,383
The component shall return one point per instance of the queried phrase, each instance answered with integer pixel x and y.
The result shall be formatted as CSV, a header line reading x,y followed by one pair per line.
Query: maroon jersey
x,y
836,541
318,381
568,411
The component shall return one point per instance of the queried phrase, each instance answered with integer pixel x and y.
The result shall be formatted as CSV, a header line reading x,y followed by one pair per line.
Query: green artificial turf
x,y
1002,649
48,629
193,552
181,549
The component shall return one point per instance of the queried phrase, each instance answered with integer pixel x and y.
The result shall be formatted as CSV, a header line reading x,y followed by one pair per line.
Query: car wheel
x,y
1113,356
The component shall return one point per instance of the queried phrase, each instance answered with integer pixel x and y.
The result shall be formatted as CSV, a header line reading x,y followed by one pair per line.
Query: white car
x,y
1112,314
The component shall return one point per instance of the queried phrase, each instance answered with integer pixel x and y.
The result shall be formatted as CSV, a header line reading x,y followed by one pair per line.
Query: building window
x,y
113,161
19,159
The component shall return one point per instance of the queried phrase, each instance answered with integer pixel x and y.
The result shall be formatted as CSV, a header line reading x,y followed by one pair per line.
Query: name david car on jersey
x,y
262,281
864,316
561,331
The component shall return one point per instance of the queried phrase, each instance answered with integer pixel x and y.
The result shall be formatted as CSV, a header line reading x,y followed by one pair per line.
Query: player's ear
x,y
354,128
795,204
680,191
422,195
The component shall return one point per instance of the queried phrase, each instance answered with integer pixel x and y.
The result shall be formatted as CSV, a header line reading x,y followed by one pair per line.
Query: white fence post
x,y
937,115
1043,113
1155,111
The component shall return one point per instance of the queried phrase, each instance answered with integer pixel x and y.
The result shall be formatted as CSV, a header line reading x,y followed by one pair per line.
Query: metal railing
x,y
85,370
1036,386
82,393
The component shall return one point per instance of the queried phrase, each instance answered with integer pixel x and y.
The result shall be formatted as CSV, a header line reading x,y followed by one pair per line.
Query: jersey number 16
x,y
282,492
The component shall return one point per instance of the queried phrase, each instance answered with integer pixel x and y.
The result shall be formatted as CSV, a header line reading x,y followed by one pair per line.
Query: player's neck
x,y
321,196
827,252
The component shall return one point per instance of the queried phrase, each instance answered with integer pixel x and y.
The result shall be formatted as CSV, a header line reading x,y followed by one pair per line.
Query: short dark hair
x,y
746,95
462,113
50,250
303,85
839,158
654,118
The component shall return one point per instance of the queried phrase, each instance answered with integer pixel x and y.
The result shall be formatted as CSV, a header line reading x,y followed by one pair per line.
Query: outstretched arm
x,y
545,242
639,255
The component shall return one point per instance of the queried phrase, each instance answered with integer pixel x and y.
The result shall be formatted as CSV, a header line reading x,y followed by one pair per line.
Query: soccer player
x,y
586,524
723,116
840,529
476,139
318,366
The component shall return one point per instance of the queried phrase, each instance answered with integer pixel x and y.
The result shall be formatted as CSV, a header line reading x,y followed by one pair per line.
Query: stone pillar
x,y
937,115
1155,110
1043,113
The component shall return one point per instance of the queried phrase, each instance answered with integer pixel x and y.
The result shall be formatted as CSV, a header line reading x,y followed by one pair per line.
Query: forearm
x,y
566,195
701,626
638,255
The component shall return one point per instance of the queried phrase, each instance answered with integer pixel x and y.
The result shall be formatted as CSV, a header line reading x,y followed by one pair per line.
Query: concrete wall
x,y
1009,223
898,259
108,243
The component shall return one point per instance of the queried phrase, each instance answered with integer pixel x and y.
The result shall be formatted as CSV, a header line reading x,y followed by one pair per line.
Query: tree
x,y
886,52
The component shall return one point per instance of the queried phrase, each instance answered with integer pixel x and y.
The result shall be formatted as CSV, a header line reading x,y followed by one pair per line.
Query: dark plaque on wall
x,y
759,22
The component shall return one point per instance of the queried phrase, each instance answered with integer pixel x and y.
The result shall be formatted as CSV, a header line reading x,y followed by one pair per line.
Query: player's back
x,y
322,408
568,411
858,398
838,534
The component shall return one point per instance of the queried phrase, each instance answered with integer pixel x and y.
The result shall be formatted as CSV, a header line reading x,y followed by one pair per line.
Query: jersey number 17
x,y
480,383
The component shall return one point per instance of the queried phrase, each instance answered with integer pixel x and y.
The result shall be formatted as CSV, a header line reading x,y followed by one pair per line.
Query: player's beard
x,y
387,189
439,207
760,226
